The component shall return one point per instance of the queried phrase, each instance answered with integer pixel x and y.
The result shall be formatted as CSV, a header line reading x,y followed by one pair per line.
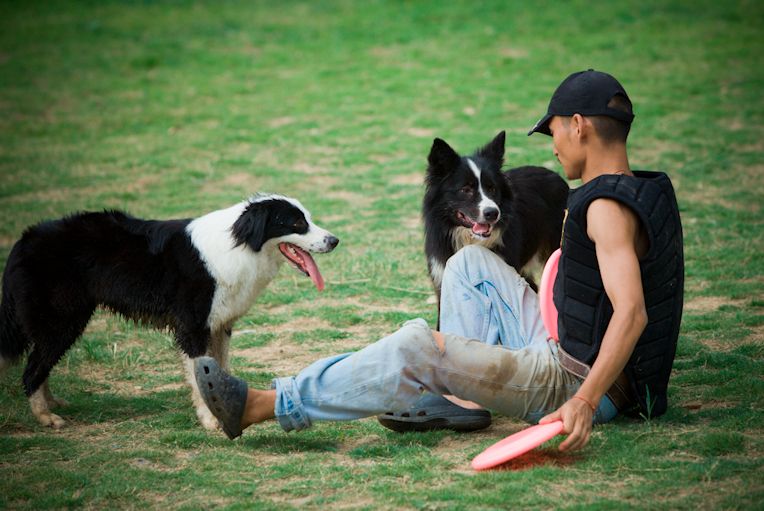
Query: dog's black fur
x,y
60,271
158,272
530,201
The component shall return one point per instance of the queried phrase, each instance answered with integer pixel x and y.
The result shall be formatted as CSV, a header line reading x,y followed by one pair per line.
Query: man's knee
x,y
473,262
414,341
467,257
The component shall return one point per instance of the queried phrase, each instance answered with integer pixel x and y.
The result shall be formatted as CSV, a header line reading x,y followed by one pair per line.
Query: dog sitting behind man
x,y
193,276
469,200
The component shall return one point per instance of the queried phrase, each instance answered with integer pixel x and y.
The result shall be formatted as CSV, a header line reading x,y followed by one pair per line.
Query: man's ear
x,y
580,126
442,158
249,228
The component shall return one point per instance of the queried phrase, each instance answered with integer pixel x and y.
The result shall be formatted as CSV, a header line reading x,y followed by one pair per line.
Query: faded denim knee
x,y
467,258
475,263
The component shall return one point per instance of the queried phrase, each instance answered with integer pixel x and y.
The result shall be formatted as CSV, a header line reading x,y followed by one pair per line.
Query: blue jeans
x,y
497,354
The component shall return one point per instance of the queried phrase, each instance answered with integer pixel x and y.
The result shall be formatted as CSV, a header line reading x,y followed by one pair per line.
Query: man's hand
x,y
576,416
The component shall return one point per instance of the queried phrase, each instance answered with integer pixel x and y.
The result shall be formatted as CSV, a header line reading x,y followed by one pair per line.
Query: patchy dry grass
x,y
173,109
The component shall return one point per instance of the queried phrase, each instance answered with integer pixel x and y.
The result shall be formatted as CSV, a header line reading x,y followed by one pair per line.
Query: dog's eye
x,y
490,189
301,224
466,190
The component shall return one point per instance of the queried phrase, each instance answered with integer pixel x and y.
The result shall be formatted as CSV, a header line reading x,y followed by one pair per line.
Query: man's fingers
x,y
571,441
554,416
565,445
578,437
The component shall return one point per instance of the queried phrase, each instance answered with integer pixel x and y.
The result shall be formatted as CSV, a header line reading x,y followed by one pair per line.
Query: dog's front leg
x,y
218,348
195,340
221,340
209,422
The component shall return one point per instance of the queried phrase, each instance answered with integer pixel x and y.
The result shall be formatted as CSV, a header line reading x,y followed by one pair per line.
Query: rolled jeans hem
x,y
289,410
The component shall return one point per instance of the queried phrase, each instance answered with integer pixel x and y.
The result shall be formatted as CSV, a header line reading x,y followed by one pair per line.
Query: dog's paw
x,y
51,420
209,422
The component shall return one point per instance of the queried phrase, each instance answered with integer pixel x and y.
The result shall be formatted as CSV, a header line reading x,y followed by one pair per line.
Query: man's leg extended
x,y
393,373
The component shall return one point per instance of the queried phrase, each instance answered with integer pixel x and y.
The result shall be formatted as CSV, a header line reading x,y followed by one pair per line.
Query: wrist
x,y
588,403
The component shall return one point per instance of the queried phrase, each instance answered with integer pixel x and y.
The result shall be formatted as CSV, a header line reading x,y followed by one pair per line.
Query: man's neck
x,y
606,160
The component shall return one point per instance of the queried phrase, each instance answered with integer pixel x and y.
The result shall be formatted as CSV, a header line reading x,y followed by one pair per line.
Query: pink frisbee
x,y
516,444
546,304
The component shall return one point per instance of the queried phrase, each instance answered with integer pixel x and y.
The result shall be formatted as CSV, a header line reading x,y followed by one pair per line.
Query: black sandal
x,y
434,412
224,395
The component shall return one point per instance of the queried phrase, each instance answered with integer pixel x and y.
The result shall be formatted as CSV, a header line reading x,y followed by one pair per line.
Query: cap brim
x,y
542,126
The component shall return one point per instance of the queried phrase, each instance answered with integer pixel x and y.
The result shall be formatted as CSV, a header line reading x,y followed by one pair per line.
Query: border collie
x,y
193,276
469,200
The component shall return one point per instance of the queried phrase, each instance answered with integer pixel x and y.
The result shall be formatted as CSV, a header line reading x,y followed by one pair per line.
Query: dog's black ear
x,y
442,157
250,227
494,150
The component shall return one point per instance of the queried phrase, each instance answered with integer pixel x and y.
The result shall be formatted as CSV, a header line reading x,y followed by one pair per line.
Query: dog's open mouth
x,y
303,261
478,229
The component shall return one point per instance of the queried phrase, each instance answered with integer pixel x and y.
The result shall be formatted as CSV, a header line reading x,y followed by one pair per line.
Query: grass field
x,y
176,108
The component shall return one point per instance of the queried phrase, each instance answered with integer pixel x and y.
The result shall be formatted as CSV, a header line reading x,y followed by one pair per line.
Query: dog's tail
x,y
13,341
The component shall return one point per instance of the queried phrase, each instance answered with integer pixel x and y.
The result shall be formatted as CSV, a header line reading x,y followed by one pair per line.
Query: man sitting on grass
x,y
618,292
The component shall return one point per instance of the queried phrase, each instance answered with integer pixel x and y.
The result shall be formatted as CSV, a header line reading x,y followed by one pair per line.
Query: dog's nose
x,y
332,242
491,214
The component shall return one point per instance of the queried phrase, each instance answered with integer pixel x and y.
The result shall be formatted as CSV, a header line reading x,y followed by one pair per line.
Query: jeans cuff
x,y
289,410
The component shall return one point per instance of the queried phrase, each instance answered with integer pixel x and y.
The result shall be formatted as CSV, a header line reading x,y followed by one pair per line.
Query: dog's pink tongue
x,y
480,228
309,265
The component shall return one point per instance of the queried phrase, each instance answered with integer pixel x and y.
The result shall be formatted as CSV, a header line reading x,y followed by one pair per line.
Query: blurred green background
x,y
172,109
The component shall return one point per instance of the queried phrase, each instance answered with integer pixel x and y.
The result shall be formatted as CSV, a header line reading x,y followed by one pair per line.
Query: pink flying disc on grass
x,y
546,304
516,444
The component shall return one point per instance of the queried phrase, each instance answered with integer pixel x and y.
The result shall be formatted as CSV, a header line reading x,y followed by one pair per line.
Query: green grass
x,y
171,109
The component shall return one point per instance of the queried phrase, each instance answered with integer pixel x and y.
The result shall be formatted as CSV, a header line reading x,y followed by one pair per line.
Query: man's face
x,y
567,146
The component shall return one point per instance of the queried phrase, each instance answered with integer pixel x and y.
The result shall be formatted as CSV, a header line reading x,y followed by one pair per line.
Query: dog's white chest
x,y
236,291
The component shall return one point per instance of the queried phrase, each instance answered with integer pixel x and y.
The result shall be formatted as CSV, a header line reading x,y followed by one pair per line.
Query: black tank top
x,y
579,295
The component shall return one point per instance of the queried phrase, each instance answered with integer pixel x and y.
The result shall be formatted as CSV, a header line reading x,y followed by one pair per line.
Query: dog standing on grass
x,y
193,276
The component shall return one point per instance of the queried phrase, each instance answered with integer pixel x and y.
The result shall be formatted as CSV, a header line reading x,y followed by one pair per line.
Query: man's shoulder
x,y
606,217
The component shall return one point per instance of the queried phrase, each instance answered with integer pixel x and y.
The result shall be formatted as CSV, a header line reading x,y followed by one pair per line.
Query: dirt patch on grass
x,y
715,345
102,375
459,449
420,132
386,52
712,196
710,303
352,198
167,387
281,357
279,122
269,158
513,53
414,179
244,181
652,151
310,167
412,223
696,405
757,337
7,241
76,195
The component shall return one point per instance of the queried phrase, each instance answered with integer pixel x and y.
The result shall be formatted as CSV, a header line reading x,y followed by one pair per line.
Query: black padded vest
x,y
579,295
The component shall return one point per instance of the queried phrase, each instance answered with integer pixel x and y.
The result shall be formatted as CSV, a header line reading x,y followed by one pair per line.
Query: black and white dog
x,y
469,200
193,276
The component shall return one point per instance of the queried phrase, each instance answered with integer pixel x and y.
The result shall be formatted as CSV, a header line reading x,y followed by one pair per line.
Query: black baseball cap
x,y
586,93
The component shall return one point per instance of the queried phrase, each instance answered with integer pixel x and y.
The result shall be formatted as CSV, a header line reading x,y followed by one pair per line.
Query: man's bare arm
x,y
614,228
